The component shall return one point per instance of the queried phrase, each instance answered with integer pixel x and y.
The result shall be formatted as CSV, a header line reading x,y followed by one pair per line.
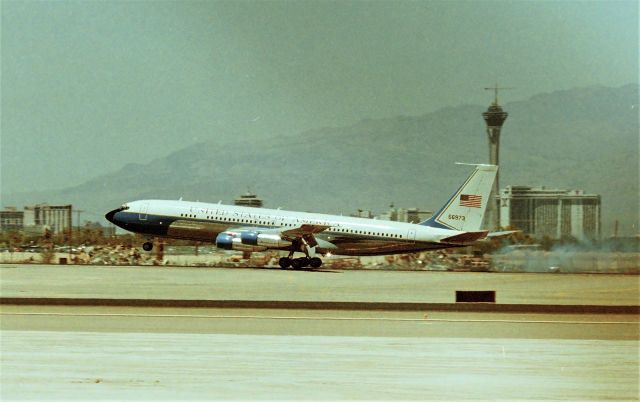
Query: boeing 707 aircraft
x,y
230,227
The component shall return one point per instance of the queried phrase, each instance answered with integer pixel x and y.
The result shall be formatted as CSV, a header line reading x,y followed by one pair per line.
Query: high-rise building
x,y
494,117
555,213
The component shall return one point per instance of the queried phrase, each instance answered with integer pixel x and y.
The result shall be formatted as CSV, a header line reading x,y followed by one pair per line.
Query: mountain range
x,y
584,138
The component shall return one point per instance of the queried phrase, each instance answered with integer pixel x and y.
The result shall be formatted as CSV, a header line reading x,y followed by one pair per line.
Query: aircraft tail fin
x,y
464,211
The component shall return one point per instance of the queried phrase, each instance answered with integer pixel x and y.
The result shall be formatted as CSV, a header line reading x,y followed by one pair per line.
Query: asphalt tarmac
x,y
321,322
148,354
127,353
310,285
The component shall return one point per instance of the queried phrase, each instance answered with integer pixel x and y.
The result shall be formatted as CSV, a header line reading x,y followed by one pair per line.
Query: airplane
x,y
248,229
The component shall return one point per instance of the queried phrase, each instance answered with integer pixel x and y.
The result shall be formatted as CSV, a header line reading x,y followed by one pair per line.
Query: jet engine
x,y
263,239
227,241
250,241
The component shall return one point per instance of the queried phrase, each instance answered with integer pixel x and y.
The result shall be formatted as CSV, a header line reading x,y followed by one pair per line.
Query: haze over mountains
x,y
584,138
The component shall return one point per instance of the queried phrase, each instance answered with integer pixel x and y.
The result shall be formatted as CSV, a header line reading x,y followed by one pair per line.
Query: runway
x,y
160,283
150,353
323,322
145,366
186,354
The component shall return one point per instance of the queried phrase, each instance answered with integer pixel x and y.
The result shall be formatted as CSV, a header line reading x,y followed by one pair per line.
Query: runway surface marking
x,y
256,317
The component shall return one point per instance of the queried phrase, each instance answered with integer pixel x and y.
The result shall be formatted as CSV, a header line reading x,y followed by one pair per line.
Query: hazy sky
x,y
90,86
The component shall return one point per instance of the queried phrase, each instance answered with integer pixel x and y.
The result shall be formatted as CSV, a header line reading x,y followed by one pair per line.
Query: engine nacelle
x,y
227,241
264,239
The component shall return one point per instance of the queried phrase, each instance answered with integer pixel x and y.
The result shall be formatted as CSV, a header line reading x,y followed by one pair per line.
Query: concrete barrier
x,y
475,296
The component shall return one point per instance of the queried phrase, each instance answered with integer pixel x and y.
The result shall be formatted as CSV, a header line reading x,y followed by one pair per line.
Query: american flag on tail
x,y
470,200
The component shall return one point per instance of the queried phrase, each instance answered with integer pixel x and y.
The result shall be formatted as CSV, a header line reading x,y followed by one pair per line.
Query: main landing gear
x,y
147,246
297,263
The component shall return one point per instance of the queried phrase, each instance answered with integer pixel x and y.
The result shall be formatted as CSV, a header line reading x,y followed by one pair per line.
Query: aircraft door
x,y
411,235
143,211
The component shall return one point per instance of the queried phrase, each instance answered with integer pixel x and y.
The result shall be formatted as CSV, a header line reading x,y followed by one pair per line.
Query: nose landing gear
x,y
147,246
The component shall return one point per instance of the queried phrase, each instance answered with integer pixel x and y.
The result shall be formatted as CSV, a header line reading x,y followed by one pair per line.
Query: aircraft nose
x,y
110,216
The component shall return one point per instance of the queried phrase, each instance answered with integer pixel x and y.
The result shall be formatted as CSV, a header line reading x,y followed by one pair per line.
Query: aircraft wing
x,y
304,230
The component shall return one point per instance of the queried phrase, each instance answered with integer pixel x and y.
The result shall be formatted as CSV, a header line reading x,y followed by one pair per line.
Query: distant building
x,y
410,215
555,213
413,215
248,200
390,215
363,213
11,219
57,218
35,219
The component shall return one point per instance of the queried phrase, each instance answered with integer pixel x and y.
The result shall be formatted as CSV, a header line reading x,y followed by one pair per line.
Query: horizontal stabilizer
x,y
502,233
466,237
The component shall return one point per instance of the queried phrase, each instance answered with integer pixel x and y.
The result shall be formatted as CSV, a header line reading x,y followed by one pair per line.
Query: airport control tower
x,y
494,117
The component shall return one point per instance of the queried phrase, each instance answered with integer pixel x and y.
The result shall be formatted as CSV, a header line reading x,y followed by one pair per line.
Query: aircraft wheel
x,y
315,262
284,262
296,263
305,261
147,246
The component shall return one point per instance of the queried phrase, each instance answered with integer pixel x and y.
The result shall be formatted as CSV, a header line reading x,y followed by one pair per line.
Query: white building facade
x,y
56,218
555,213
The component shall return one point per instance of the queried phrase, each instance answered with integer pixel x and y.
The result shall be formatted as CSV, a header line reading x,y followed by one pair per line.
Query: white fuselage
x,y
343,235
